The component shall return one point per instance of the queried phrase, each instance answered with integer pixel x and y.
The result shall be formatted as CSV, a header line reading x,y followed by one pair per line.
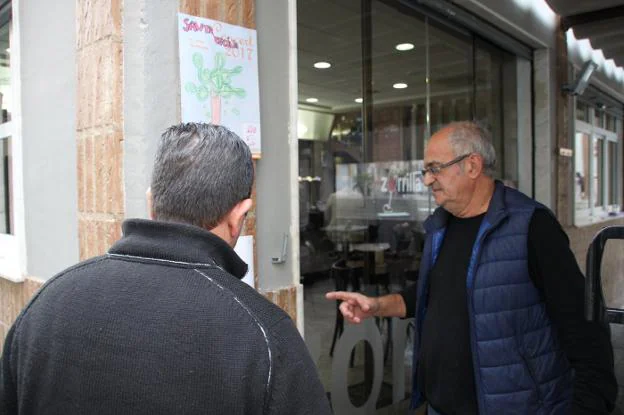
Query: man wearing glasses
x,y
499,300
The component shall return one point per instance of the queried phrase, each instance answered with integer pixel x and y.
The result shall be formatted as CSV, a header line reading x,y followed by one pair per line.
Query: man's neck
x,y
480,200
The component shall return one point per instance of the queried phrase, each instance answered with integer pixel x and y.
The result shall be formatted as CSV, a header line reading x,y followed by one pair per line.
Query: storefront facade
x,y
350,92
375,80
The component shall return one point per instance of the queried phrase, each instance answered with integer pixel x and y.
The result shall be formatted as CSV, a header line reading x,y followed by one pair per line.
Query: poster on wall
x,y
219,76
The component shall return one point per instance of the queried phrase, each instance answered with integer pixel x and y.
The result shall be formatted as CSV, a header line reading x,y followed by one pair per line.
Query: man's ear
x,y
237,216
474,166
148,199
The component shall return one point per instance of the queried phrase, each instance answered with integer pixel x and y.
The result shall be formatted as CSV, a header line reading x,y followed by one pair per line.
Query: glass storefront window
x,y
597,174
6,103
5,116
581,174
611,123
612,156
395,77
598,171
599,118
581,112
495,105
5,185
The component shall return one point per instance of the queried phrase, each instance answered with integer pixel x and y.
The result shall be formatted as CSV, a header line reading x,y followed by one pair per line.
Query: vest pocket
x,y
531,372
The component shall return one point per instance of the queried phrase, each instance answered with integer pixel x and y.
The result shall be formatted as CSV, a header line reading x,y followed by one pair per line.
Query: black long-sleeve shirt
x,y
555,272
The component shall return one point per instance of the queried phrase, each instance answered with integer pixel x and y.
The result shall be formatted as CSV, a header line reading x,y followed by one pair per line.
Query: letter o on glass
x,y
352,335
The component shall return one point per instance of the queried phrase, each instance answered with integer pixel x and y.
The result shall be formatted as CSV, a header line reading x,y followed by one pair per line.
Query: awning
x,y
600,21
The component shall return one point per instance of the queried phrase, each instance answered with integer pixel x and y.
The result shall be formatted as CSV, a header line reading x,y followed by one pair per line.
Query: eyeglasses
x,y
436,169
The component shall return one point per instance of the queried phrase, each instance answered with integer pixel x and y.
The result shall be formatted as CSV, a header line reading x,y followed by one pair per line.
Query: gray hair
x,y
201,172
469,137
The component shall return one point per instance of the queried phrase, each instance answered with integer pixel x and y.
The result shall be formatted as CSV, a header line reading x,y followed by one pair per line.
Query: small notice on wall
x,y
219,76
244,249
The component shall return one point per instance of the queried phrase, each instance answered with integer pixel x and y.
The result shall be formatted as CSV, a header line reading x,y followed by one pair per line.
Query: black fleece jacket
x,y
161,324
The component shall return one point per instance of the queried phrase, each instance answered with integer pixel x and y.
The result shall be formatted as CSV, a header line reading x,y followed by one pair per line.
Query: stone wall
x,y
13,298
99,124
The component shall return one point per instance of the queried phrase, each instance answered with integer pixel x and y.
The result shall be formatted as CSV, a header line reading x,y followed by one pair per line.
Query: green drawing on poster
x,y
215,83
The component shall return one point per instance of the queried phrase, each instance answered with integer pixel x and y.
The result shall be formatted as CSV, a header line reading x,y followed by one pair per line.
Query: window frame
x,y
598,212
13,245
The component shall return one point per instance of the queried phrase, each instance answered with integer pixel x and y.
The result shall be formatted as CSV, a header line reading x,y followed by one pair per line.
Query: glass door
x,y
376,80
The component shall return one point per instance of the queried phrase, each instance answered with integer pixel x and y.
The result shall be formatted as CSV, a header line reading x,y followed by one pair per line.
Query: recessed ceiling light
x,y
312,100
322,65
359,100
399,85
404,46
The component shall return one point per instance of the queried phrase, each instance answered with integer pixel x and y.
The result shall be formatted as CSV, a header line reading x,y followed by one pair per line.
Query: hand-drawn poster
x,y
219,76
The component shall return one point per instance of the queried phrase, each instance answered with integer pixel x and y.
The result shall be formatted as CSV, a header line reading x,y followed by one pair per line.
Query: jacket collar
x,y
496,212
177,242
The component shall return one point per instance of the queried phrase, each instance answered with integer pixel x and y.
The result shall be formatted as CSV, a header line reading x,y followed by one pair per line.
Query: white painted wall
x,y
277,171
47,44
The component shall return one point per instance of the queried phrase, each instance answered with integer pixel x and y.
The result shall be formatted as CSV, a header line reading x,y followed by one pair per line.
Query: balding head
x,y
459,162
469,137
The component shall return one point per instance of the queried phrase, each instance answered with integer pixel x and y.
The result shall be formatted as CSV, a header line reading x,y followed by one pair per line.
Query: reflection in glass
x,y
496,106
613,169
361,193
581,112
598,171
581,171
599,118
611,123
6,103
5,213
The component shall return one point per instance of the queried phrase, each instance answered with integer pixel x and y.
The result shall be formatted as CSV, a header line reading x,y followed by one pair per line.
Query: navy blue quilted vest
x,y
519,366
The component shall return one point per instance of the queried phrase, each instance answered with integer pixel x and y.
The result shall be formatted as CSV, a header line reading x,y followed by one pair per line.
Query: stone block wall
x,y
99,124
13,298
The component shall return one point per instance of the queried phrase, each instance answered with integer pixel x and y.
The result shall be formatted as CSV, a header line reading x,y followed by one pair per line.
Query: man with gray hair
x,y
163,324
499,299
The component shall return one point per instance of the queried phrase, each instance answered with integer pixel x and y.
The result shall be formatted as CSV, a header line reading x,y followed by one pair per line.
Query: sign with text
x,y
219,76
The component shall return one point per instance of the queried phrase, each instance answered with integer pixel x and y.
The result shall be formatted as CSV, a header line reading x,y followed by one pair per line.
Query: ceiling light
x,y
359,100
399,85
312,100
404,46
8,50
322,65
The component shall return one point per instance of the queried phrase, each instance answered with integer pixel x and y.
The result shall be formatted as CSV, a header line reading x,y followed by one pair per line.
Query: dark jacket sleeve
x,y
296,387
556,274
8,393
409,297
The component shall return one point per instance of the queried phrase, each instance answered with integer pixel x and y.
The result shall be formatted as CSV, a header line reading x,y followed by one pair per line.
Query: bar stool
x,y
346,278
